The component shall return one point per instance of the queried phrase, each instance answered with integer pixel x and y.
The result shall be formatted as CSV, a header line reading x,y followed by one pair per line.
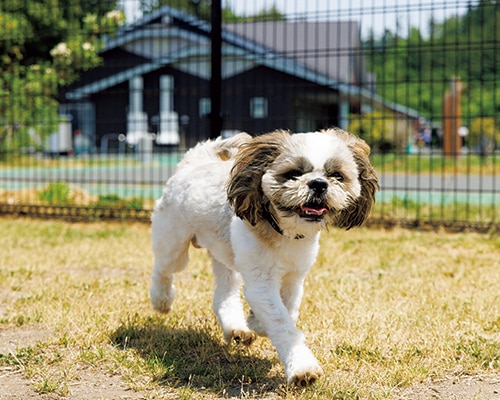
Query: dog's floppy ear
x,y
359,210
227,148
244,190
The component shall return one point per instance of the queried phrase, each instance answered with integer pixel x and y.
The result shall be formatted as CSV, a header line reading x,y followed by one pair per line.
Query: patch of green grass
x,y
56,193
425,211
115,201
382,310
435,163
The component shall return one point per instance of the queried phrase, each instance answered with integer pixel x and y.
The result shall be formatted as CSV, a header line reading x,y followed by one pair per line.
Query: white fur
x,y
194,208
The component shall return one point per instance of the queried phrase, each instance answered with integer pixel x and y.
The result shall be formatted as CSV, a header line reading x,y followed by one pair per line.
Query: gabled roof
x,y
169,23
313,44
251,45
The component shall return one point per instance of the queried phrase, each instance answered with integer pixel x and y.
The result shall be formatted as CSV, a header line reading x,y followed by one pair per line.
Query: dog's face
x,y
303,182
312,179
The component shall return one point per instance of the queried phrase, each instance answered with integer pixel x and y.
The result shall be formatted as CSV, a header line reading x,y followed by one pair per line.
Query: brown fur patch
x,y
244,190
357,213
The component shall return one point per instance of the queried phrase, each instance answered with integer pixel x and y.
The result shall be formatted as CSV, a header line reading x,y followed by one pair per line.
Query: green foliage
x,y
31,29
372,127
416,70
202,9
45,44
267,14
115,201
432,164
56,193
484,128
27,100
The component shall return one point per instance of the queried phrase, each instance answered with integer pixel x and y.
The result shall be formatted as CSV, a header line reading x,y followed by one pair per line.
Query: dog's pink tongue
x,y
316,211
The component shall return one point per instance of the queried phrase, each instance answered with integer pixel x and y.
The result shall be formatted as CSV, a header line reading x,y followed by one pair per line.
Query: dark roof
x,y
313,44
308,56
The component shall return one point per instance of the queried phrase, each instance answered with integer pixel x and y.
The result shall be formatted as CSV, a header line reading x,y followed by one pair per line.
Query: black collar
x,y
266,214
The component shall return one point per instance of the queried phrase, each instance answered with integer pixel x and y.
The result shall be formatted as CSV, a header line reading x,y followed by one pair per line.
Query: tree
x,y
484,134
415,70
372,127
202,9
45,44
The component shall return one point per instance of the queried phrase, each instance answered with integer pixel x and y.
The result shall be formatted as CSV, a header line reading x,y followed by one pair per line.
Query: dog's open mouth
x,y
312,211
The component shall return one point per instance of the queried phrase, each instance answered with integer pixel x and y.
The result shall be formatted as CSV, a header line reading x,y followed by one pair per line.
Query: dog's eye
x,y
337,175
292,174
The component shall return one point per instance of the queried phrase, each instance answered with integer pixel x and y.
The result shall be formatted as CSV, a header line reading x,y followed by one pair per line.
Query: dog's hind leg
x,y
228,307
170,240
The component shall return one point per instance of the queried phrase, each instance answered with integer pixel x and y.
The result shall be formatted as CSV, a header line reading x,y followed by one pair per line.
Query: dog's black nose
x,y
318,185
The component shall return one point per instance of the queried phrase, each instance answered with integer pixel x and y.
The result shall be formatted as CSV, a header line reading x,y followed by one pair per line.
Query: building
x,y
155,78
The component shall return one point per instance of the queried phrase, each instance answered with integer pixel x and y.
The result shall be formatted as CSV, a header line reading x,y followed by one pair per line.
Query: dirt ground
x,y
94,384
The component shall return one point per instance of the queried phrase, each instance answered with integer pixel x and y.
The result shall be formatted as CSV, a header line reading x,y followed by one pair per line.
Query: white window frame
x,y
258,107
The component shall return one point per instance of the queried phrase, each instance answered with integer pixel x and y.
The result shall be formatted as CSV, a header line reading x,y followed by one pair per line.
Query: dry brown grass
x,y
383,310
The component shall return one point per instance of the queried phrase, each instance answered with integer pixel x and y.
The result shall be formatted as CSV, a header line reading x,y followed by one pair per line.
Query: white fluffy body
x,y
272,261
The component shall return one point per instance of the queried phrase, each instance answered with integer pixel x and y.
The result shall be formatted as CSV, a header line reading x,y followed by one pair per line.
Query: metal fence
x,y
418,80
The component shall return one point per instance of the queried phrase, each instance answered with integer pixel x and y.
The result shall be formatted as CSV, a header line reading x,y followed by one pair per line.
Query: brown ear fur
x,y
357,213
244,190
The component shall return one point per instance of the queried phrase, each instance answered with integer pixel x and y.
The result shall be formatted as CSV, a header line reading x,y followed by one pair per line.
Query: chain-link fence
x,y
97,105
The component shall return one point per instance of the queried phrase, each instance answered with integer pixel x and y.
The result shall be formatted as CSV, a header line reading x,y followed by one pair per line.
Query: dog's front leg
x,y
292,289
263,295
227,305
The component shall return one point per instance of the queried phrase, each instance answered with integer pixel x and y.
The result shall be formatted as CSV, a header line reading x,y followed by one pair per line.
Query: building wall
x,y
289,100
291,103
112,106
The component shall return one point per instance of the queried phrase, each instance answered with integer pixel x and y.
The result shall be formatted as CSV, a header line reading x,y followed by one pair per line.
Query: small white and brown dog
x,y
258,205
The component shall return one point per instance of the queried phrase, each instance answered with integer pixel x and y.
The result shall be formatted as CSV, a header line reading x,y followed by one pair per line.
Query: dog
x,y
258,205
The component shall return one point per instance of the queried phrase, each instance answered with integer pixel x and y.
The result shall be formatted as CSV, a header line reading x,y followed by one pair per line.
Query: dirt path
x,y
94,384
90,384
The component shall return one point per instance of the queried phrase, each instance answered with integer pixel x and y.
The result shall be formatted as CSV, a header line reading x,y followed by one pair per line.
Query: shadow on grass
x,y
195,358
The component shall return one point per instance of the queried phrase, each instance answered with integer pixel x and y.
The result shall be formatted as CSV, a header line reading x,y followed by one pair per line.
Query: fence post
x,y
216,70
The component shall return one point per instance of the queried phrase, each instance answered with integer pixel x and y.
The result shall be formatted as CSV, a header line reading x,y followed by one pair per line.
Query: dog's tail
x,y
215,150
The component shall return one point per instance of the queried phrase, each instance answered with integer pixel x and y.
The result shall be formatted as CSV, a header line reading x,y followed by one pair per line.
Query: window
x,y
258,107
205,106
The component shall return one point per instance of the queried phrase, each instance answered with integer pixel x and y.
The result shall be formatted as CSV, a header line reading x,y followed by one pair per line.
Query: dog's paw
x,y
163,306
162,301
162,293
303,369
306,379
243,337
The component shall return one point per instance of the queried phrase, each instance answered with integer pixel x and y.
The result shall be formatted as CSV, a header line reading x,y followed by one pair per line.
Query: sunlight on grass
x,y
383,309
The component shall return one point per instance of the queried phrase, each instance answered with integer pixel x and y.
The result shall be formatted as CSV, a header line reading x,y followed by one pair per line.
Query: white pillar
x,y
168,132
137,119
166,93
136,87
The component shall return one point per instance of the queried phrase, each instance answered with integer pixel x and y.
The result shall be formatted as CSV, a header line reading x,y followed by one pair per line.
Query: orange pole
x,y
452,119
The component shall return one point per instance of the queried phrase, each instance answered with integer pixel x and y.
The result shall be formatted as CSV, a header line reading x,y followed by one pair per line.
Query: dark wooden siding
x,y
285,94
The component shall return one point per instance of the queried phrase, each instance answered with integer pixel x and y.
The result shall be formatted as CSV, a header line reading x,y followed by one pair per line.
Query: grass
x,y
436,164
383,309
130,159
448,210
391,162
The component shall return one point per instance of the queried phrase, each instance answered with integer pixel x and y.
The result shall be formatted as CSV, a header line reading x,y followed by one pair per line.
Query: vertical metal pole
x,y
216,68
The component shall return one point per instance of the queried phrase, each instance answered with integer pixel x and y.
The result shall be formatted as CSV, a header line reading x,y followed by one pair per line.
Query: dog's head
x,y
302,182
